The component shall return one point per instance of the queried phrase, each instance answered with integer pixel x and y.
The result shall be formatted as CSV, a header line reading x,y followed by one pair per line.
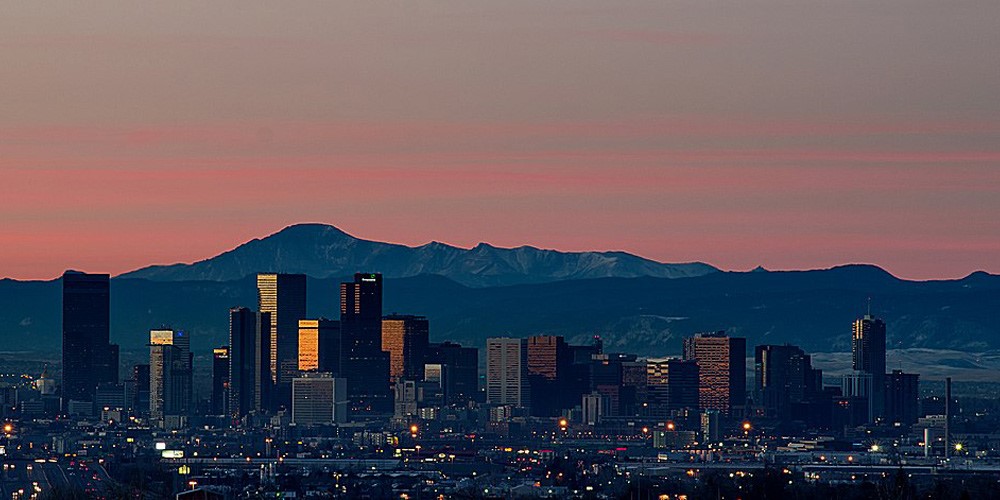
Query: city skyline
x,y
775,135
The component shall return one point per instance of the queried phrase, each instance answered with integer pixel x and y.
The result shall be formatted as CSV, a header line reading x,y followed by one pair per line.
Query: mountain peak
x,y
322,250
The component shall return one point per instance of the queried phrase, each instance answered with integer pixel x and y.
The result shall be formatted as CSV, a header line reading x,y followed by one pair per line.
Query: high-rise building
x,y
249,362
784,380
722,370
363,362
552,388
220,380
507,372
140,377
283,296
671,384
318,399
462,370
406,339
170,373
868,354
88,357
319,345
902,397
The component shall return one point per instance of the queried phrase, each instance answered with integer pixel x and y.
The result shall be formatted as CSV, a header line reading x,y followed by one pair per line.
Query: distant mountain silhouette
x,y
321,251
645,315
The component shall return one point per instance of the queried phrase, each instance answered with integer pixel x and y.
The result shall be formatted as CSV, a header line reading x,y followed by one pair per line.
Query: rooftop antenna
x,y
869,306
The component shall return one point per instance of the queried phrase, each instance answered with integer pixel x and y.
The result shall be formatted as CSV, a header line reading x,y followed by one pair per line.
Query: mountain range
x,y
636,305
322,251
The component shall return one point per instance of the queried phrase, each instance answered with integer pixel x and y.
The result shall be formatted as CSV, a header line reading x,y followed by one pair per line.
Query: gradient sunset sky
x,y
789,134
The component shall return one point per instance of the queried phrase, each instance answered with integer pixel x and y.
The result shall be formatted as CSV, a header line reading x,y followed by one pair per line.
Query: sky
x,y
788,134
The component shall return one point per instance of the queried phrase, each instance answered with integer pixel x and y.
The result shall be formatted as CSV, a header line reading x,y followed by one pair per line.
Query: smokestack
x,y
947,417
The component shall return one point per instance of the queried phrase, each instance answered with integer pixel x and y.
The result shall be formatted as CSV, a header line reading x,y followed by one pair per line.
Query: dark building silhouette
x,y
406,339
557,382
785,381
140,379
462,365
606,377
902,397
220,380
671,384
722,370
319,345
249,362
868,355
88,357
283,297
363,363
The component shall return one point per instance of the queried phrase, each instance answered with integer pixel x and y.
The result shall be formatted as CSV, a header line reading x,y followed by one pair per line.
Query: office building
x,y
406,339
671,384
784,380
902,398
170,373
88,357
220,380
721,368
462,365
249,362
319,399
319,345
283,297
549,359
507,372
868,355
363,362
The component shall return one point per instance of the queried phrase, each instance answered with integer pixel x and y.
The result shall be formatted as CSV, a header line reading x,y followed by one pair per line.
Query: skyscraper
x,y
671,384
283,296
319,345
902,397
220,380
784,380
507,372
868,354
722,369
249,361
406,339
549,359
170,373
363,362
88,357
462,367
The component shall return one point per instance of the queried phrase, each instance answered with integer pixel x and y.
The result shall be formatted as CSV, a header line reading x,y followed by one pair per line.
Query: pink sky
x,y
784,135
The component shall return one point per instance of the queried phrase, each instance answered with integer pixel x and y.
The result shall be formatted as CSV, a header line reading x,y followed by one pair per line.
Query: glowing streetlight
x,y
414,429
958,447
8,428
671,426
875,448
563,423
747,427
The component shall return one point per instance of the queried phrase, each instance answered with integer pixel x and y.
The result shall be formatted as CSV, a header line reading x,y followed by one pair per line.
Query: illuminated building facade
x,y
283,297
406,339
868,356
319,345
721,370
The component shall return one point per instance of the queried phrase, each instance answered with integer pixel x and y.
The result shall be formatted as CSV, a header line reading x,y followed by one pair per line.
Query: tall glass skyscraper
x,y
868,354
249,361
363,362
283,297
88,357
